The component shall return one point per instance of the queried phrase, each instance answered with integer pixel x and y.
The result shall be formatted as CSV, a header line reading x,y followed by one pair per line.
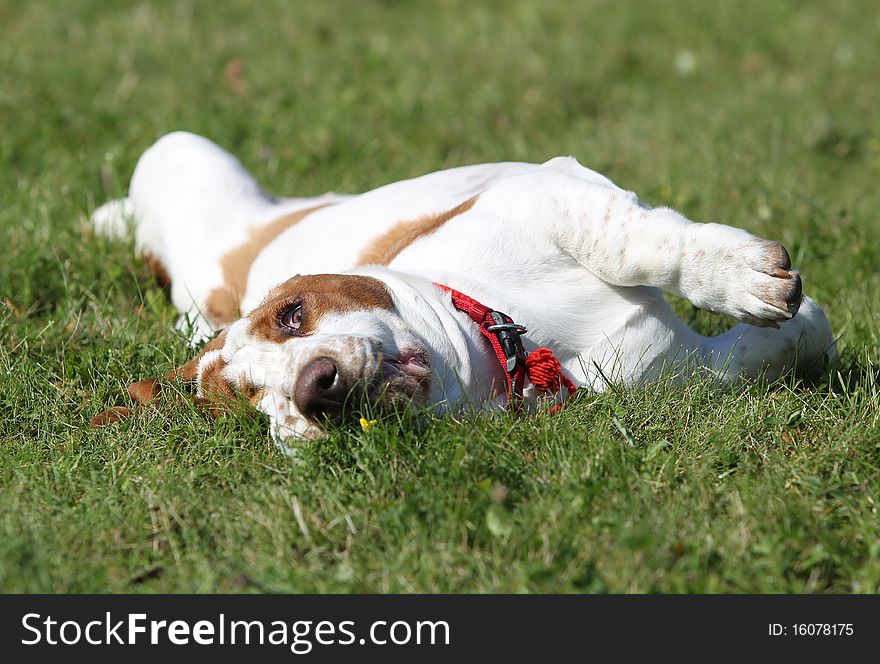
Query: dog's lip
x,y
405,374
411,362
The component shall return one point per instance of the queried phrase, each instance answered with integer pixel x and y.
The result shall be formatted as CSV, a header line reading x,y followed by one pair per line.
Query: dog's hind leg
x,y
192,203
804,344
189,202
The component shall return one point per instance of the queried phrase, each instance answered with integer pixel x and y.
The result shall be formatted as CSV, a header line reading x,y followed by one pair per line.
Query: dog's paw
x,y
767,290
736,273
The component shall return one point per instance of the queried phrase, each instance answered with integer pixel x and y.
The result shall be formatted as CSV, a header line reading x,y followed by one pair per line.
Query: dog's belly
x,y
334,238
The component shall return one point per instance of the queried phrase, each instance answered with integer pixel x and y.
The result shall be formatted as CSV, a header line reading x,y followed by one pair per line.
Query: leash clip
x,y
508,334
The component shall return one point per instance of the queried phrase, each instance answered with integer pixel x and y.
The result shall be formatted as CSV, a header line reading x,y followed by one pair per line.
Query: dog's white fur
x,y
557,246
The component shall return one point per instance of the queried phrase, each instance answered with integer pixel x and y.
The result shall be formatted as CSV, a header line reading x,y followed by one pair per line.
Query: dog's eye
x,y
292,316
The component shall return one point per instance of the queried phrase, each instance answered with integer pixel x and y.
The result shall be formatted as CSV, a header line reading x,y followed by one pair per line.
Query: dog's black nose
x,y
320,391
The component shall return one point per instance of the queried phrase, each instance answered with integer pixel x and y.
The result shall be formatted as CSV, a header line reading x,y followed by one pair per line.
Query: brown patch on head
x,y
319,294
156,266
222,304
399,237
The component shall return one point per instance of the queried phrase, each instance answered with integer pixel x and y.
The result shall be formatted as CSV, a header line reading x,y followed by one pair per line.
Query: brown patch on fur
x,y
222,304
399,237
221,307
319,295
156,266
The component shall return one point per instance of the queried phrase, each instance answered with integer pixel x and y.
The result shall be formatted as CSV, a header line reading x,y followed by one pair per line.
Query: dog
x,y
435,293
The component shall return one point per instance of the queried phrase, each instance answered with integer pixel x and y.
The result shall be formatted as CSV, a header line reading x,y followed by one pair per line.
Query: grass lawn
x,y
762,115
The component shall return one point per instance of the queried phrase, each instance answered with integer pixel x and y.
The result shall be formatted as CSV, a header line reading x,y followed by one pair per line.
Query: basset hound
x,y
330,306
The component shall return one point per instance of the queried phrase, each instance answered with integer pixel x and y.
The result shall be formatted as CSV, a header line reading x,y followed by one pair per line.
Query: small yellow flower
x,y
366,424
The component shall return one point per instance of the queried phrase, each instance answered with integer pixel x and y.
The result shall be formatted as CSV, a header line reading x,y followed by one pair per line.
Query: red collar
x,y
540,366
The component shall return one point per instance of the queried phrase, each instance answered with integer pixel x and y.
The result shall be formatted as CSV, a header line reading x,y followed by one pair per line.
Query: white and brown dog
x,y
319,299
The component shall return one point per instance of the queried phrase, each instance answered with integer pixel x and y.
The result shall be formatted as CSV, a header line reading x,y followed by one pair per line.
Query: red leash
x,y
540,366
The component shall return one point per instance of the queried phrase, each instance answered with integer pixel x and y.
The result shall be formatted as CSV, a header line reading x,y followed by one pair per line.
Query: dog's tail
x,y
114,219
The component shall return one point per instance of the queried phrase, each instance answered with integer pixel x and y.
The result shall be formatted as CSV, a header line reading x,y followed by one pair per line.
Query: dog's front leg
x,y
625,243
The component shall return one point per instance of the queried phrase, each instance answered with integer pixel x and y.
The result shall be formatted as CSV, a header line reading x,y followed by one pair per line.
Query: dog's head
x,y
319,349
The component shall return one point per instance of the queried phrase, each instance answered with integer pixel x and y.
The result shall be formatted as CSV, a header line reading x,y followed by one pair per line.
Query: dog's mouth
x,y
402,378
389,382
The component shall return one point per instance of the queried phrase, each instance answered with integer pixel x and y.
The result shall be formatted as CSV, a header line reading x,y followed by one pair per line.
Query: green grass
x,y
761,114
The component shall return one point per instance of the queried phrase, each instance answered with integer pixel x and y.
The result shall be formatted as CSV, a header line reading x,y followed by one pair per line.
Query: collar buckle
x,y
508,334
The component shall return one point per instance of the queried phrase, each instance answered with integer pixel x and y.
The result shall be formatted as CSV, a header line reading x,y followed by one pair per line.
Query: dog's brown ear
x,y
215,391
190,370
109,416
144,390
148,389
